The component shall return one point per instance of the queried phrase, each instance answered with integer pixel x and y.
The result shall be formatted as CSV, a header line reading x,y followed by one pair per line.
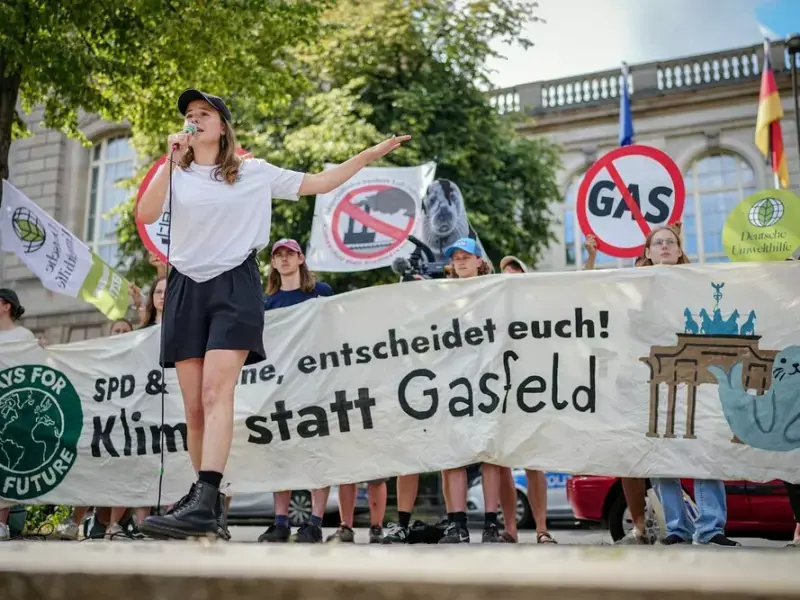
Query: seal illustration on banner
x,y
41,419
764,226
712,342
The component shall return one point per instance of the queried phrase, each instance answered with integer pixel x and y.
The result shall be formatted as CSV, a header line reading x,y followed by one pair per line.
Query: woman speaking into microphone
x,y
213,321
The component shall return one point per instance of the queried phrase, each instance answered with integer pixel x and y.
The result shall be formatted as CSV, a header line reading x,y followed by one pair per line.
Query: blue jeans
x,y
712,508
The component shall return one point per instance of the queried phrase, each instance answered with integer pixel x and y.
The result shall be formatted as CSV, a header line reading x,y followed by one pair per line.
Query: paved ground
x,y
568,536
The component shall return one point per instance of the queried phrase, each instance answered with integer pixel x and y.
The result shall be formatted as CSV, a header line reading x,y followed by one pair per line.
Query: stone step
x,y
220,571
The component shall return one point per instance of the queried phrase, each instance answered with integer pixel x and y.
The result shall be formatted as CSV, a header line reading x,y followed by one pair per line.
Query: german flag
x,y
769,138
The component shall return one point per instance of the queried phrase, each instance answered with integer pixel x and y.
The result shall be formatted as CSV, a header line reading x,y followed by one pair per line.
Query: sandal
x,y
545,538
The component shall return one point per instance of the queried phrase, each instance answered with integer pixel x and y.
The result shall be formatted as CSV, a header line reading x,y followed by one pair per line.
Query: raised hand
x,y
387,146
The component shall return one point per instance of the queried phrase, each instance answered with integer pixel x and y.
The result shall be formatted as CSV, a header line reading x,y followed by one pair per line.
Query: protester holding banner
x,y
10,312
466,261
220,217
537,480
290,282
663,247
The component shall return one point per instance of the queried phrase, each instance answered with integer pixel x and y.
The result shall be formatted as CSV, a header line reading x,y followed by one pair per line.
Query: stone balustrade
x,y
644,80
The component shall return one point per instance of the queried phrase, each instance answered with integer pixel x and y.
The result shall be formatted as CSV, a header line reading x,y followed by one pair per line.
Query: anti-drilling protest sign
x,y
365,223
688,371
62,262
626,194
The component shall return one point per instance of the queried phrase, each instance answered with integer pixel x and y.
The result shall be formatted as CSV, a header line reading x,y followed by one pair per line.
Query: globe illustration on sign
x,y
766,212
29,229
31,425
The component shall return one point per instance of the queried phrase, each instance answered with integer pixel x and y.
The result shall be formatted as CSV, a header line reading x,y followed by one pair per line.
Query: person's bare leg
x,y
347,509
102,515
537,496
319,501
190,380
635,490
347,503
376,494
115,515
140,514
201,514
508,502
221,370
407,490
281,500
455,488
490,481
448,505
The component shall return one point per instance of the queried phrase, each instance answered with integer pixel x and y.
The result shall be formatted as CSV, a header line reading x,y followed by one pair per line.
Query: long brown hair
x,y
307,279
643,261
450,270
228,161
149,317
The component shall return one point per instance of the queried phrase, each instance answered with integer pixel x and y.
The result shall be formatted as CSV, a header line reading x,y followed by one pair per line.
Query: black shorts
x,y
223,313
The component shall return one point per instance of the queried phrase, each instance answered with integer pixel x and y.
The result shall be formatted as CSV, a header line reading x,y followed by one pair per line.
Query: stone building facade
x,y
701,110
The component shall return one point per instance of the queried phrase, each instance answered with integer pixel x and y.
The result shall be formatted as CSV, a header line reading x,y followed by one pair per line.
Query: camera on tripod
x,y
419,265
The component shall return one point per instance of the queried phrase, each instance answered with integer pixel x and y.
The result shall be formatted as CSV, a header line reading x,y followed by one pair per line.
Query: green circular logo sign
x,y
41,419
763,227
28,228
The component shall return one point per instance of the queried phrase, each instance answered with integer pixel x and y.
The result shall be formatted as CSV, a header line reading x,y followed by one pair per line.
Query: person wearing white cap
x,y
220,207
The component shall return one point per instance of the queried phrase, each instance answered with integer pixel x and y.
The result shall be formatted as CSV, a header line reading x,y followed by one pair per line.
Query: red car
x,y
760,509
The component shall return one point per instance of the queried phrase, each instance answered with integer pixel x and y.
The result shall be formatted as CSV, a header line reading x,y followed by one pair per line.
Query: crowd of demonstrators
x,y
289,283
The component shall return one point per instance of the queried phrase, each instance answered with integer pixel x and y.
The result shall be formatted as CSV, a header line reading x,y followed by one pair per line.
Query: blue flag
x,y
625,119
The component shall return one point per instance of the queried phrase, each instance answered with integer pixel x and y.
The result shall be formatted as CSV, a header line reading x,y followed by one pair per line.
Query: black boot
x,y
221,511
195,517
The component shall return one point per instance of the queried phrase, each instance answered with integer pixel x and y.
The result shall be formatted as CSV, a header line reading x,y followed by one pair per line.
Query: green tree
x,y
130,59
417,67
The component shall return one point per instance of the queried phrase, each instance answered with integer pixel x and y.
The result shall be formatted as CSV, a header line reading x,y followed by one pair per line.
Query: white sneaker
x,y
5,532
67,531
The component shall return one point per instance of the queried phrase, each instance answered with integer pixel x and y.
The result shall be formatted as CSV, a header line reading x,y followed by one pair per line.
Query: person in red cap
x,y
220,214
291,282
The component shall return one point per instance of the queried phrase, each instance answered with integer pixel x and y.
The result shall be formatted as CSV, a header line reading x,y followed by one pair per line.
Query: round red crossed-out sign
x,y
625,194
361,235
155,236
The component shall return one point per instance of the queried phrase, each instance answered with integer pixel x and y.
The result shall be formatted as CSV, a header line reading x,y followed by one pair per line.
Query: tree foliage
x,y
407,66
129,60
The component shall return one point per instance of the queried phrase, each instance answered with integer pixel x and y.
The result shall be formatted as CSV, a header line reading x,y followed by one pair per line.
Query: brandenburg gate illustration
x,y
717,341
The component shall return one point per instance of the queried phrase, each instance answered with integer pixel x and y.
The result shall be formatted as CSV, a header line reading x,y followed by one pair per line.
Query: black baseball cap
x,y
11,297
215,101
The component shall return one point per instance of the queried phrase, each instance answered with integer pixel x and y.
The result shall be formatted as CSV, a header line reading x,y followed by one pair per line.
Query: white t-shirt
x,y
16,334
214,226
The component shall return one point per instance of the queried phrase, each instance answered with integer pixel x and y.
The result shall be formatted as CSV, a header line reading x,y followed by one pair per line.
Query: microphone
x,y
188,127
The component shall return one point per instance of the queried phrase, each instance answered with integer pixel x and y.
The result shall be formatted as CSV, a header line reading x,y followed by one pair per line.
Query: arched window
x,y
715,184
113,161
574,238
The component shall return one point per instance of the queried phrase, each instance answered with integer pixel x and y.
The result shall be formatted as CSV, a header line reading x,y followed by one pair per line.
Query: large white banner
x,y
61,261
365,223
689,371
